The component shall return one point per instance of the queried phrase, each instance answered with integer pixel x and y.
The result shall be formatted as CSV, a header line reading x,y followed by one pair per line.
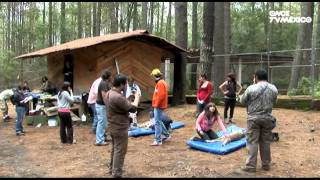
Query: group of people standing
x,y
112,101
259,99
230,88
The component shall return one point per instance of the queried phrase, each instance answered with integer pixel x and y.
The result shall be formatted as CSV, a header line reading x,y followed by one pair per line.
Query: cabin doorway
x,y
68,69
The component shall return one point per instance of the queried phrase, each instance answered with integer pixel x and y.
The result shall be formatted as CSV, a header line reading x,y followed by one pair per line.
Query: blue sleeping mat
x,y
216,147
135,132
34,95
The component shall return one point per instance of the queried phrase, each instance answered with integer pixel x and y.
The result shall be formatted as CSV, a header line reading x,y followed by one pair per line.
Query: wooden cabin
x,y
133,53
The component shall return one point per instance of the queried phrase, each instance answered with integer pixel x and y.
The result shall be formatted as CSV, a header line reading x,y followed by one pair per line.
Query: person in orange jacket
x,y
159,103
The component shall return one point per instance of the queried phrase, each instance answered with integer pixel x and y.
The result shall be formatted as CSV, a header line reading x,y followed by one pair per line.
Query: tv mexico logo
x,y
285,17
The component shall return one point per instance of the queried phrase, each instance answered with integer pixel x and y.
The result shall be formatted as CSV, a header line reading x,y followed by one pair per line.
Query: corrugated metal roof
x,y
86,42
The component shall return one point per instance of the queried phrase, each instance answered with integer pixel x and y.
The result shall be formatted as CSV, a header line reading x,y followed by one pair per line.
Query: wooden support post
x,y
179,80
167,71
240,71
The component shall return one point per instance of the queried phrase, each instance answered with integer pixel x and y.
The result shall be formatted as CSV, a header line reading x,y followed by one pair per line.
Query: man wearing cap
x,y
159,103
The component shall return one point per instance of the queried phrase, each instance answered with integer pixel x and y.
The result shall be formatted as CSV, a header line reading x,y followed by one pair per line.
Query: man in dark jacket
x,y
259,99
20,101
118,122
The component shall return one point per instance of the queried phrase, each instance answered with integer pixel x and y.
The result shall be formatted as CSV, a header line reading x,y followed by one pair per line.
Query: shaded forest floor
x,y
40,154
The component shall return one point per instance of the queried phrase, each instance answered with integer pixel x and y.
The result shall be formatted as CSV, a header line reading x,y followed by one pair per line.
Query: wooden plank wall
x,y
135,58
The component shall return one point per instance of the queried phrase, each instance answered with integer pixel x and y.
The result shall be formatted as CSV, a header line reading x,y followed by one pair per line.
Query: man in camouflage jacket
x,y
259,99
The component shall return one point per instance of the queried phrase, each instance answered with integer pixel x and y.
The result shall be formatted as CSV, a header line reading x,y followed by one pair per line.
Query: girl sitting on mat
x,y
205,121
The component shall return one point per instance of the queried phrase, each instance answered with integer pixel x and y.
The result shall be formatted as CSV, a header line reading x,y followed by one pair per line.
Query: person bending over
x,y
205,122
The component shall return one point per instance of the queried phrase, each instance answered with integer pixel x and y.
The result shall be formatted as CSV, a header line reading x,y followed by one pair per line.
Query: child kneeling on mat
x,y
205,122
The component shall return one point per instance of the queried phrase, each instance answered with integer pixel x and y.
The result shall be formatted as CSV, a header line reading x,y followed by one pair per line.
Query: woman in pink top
x,y
206,120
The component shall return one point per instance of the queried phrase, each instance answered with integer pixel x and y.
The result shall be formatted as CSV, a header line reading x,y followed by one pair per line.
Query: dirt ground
x,y
40,154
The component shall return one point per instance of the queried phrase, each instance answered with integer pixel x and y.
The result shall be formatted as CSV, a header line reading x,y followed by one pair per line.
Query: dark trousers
x,y
118,152
200,108
66,129
229,103
209,135
259,137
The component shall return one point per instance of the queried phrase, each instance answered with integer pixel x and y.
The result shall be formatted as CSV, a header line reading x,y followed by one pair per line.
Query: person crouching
x,y
205,121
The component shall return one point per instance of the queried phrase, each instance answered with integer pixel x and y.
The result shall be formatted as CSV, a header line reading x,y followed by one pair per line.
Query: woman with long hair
x,y
230,88
205,122
65,99
204,93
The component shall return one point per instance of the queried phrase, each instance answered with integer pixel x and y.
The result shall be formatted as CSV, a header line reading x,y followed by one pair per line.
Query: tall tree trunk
x,y
79,22
144,14
218,46
206,48
94,19
44,24
227,35
9,4
63,23
181,29
122,23
113,17
317,61
21,15
117,15
151,17
89,21
194,25
161,23
304,41
135,16
13,27
129,15
50,25
158,18
98,25
282,45
168,28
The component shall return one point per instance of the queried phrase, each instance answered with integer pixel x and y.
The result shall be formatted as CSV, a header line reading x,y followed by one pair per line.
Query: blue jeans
x,y
95,120
101,124
21,111
159,126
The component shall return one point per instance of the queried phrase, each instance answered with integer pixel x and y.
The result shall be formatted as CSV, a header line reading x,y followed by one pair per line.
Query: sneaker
x,y
230,121
275,136
20,134
166,138
226,120
108,138
266,168
155,143
248,169
101,144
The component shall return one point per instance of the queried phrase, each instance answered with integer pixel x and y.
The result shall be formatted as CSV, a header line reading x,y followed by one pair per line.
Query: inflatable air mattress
x,y
135,132
217,147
